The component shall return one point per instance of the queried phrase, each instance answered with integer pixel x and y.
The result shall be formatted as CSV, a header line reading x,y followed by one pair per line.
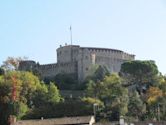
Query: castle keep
x,y
76,60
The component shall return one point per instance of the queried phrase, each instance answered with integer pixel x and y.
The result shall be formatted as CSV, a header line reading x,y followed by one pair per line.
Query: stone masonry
x,y
76,60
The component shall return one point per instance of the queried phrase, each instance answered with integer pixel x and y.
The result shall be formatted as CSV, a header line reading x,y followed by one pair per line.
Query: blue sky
x,y
36,28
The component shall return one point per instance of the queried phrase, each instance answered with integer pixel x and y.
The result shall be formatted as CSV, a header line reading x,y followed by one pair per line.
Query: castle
x,y
76,61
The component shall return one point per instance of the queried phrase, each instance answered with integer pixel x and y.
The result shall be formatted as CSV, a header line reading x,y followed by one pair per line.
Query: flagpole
x,y
71,34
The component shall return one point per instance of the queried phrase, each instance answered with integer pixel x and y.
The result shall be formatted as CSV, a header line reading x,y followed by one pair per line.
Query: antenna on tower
x,y
71,34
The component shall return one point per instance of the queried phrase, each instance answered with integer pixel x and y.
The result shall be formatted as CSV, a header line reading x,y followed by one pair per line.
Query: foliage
x,y
19,109
39,97
153,94
136,107
151,85
100,73
12,63
92,70
94,90
66,81
97,73
4,101
154,99
162,85
26,87
112,93
116,95
45,95
61,109
53,94
93,101
2,72
142,74
135,68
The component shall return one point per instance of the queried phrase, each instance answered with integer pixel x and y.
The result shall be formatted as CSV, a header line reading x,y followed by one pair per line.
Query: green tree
x,y
93,101
112,93
94,89
39,97
100,73
65,81
162,100
53,94
22,92
5,91
46,94
29,84
136,107
65,108
142,74
23,84
154,99
97,73
115,96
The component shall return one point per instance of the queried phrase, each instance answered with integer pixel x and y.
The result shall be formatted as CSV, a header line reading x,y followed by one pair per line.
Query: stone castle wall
x,y
110,58
51,70
73,59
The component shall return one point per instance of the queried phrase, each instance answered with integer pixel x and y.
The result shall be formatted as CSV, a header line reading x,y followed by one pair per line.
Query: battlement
x,y
54,65
48,66
101,49
106,50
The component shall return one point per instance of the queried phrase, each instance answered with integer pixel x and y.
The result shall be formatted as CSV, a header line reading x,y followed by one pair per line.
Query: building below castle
x,y
77,61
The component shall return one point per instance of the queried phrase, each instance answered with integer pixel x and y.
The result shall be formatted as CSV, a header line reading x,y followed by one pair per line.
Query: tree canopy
x,y
111,92
143,74
12,63
16,94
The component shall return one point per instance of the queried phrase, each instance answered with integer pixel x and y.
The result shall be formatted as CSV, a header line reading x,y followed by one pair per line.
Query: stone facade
x,y
76,60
